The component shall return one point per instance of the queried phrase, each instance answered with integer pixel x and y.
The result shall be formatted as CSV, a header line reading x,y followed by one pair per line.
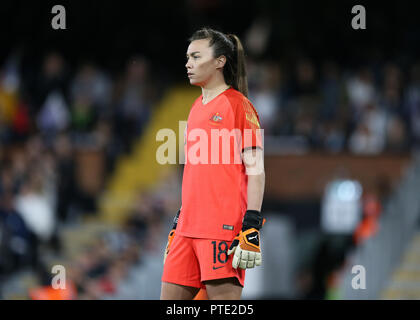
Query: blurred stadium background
x,y
79,111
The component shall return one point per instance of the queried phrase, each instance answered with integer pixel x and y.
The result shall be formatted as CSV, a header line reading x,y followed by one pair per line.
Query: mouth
x,y
189,74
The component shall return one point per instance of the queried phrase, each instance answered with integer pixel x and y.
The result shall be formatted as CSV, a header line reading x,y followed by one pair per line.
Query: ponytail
x,y
240,78
231,47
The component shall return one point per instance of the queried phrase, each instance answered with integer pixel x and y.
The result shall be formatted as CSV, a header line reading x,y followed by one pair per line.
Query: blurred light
x,y
348,190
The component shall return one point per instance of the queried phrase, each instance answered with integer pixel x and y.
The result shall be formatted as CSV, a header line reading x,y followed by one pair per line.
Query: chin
x,y
194,83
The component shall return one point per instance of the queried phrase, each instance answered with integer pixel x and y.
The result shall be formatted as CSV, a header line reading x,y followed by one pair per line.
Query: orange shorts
x,y
192,260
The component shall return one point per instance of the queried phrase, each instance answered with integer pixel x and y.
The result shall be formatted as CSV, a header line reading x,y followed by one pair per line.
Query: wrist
x,y
252,219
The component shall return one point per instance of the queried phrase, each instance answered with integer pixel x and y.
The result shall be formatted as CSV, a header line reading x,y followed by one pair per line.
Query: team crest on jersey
x,y
216,118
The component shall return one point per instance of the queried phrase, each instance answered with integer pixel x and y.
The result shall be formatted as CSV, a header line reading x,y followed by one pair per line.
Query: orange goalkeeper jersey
x,y
214,185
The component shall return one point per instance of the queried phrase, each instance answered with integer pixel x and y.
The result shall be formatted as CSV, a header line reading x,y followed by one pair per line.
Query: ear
x,y
220,62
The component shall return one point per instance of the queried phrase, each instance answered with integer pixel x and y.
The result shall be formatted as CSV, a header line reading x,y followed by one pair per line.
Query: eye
x,y
193,57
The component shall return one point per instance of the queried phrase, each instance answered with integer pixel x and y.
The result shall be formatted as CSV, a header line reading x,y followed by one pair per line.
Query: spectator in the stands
x,y
266,95
53,77
361,91
412,105
132,101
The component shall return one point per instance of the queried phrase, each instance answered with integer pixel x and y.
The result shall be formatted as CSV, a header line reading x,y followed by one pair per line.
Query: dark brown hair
x,y
229,46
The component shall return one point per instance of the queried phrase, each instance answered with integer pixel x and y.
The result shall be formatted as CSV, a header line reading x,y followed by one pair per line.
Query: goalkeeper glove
x,y
246,245
171,236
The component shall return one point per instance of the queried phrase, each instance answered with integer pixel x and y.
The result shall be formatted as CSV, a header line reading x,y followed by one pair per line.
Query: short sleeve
x,y
248,122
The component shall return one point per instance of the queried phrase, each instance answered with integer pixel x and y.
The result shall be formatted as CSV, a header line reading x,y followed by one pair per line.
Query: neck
x,y
213,88
210,92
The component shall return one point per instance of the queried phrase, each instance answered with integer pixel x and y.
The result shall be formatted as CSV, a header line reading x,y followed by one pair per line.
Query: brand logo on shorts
x,y
214,268
227,227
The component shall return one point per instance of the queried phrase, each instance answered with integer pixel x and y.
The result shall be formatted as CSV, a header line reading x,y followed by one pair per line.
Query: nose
x,y
188,65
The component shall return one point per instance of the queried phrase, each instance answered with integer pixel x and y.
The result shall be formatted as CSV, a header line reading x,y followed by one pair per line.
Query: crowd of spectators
x,y
370,109
47,116
125,262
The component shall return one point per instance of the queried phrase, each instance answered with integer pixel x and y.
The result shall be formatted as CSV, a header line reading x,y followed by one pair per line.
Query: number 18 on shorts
x,y
192,261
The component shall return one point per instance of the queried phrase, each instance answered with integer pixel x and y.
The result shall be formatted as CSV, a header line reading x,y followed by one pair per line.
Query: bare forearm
x,y
256,184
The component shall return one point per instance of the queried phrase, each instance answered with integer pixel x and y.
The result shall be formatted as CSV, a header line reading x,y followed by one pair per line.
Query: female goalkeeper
x,y
215,236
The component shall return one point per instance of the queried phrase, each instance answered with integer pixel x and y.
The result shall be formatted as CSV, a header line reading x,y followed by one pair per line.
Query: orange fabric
x,y
49,293
214,193
201,295
366,229
192,261
245,244
170,238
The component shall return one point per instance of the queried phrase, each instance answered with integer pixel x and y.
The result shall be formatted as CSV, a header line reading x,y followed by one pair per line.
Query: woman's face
x,y
201,65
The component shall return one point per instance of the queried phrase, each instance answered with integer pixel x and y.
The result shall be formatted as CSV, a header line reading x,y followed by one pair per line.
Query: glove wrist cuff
x,y
252,219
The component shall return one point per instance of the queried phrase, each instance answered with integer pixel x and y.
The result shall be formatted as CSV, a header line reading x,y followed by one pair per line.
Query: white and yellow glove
x,y
246,245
